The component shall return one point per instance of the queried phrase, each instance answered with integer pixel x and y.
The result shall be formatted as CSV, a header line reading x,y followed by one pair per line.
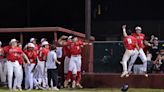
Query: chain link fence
x,y
107,56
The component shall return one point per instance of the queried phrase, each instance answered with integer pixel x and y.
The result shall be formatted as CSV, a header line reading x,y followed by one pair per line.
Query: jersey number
x,y
129,41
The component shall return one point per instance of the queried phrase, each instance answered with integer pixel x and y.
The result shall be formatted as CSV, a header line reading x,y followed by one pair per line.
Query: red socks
x,y
78,77
69,74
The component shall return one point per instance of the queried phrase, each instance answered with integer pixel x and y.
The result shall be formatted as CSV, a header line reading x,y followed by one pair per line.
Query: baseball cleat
x,y
146,75
65,83
127,75
73,84
15,89
20,89
55,89
79,85
42,88
49,89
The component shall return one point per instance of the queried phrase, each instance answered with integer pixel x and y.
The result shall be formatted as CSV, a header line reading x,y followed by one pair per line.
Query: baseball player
x,y
65,41
13,53
67,56
32,56
140,41
33,40
41,62
2,65
43,39
18,81
130,44
75,63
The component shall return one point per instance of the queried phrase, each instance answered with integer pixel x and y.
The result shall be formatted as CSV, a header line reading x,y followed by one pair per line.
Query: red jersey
x,y
66,49
32,56
75,48
140,38
130,42
1,53
14,53
36,48
20,59
6,49
39,46
43,53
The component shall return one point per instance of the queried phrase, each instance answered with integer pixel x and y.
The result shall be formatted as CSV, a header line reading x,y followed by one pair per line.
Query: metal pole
x,y
55,38
88,19
21,38
88,64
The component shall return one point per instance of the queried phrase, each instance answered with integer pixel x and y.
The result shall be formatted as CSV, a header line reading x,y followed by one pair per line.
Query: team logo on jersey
x,y
140,37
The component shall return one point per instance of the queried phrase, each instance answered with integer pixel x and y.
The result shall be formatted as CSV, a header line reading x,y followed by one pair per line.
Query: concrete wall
x,y
106,80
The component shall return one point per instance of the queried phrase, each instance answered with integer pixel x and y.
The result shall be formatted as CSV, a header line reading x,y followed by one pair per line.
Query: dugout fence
x,y
107,56
107,69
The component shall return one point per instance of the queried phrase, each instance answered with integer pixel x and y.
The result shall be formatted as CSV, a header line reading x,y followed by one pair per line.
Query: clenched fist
x,y
123,26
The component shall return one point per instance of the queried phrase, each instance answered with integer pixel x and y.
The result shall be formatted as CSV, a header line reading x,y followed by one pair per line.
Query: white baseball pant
x,y
29,80
75,64
42,72
3,70
26,76
36,77
13,67
18,81
142,56
126,56
66,64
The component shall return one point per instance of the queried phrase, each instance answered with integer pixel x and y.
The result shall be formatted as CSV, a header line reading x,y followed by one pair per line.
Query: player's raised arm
x,y
124,30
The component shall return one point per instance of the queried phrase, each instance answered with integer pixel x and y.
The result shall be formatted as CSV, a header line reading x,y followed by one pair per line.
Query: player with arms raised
x,y
130,44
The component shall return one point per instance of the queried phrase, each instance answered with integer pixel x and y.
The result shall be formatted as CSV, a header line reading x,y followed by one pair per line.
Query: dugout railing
x,y
52,34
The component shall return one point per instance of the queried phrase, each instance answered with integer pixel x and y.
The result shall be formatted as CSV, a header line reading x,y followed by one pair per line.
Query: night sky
x,y
22,13
70,13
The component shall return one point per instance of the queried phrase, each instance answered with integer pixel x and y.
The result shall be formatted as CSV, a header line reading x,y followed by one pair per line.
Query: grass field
x,y
94,90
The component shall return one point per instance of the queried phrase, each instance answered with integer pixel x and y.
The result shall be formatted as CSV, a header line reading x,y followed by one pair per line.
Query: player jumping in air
x,y
131,46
